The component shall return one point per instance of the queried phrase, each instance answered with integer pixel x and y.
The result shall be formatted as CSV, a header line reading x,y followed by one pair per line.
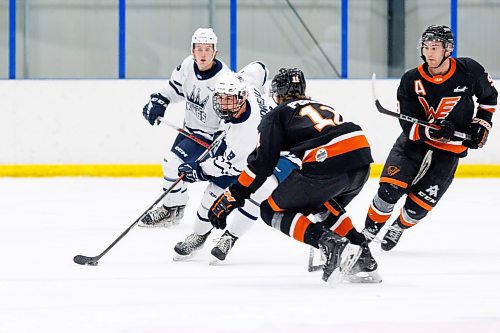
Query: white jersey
x,y
241,138
255,74
196,88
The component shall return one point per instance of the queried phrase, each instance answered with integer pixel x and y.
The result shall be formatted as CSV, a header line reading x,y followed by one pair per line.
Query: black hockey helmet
x,y
440,33
288,82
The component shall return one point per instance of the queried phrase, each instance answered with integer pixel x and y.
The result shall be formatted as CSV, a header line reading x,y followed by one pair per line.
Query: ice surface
x,y
444,276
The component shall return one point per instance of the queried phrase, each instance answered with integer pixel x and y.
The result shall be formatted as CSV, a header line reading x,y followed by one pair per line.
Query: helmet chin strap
x,y
425,60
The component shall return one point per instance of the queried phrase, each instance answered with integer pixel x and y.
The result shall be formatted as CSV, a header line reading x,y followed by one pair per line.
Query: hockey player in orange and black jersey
x,y
423,161
336,161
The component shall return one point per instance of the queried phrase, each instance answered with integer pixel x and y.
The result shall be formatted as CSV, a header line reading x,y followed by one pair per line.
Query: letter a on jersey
x,y
419,88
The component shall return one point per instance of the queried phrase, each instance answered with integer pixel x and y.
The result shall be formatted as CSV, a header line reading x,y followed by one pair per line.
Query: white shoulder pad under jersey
x,y
241,138
196,88
255,74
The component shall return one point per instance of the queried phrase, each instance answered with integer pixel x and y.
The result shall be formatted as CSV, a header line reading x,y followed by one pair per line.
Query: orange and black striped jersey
x,y
312,131
449,96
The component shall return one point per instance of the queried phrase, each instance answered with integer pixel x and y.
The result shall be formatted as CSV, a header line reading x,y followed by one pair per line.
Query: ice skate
x,y
162,217
188,248
365,268
371,230
392,236
224,244
332,246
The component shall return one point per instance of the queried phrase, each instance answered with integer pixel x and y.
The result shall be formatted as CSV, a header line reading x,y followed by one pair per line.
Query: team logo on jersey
x,y
445,106
195,104
321,155
433,190
392,170
460,89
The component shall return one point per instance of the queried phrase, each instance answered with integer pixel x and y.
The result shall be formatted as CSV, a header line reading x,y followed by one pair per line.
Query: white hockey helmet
x,y
204,36
230,94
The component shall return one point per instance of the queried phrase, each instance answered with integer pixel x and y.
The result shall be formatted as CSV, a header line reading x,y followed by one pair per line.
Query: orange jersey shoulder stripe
x,y
339,148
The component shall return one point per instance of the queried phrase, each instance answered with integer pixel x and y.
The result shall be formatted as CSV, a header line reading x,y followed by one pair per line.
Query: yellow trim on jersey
x,y
154,170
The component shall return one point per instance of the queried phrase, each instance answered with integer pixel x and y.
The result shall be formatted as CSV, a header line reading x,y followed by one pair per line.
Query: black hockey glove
x,y
192,172
223,206
479,130
445,133
155,108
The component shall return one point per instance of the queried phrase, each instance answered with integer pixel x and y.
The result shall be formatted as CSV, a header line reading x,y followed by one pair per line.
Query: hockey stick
x,y
93,261
187,134
404,117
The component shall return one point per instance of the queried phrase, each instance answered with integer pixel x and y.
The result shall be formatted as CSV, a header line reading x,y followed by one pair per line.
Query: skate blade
x,y
311,265
377,240
364,277
371,237
314,268
180,257
214,262
349,257
335,279
157,225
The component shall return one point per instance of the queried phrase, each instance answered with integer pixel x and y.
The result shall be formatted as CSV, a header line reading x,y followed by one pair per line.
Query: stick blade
x,y
83,260
383,110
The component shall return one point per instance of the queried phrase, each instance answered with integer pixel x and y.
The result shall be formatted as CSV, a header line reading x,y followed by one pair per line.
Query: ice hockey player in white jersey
x,y
240,105
191,82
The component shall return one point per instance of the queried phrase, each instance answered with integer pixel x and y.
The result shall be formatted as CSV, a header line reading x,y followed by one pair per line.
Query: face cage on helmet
x,y
447,45
232,110
285,92
273,92
444,41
